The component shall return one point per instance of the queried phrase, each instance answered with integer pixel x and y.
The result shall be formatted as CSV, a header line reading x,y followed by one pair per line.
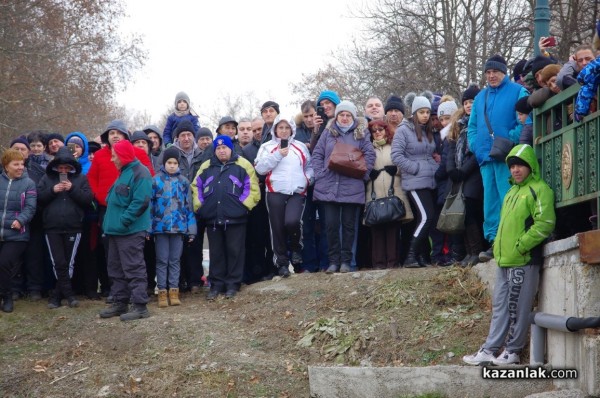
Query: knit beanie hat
x,y
182,96
518,69
540,62
184,125
125,152
394,102
204,132
346,106
447,108
418,103
223,140
171,152
522,106
93,146
20,140
517,160
55,136
118,125
140,135
470,93
328,95
269,104
76,140
496,62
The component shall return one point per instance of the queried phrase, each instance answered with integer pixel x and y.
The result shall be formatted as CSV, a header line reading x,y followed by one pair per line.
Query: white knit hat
x,y
346,106
447,108
420,102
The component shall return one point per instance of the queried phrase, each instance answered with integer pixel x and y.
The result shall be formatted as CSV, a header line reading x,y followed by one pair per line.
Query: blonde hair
x,y
456,127
9,155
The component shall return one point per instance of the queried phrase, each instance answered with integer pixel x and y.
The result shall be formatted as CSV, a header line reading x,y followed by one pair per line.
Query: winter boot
x,y
73,302
7,304
136,311
174,296
54,301
115,309
162,298
411,258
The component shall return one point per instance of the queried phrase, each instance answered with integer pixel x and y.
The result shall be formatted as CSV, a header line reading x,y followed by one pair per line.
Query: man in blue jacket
x,y
497,102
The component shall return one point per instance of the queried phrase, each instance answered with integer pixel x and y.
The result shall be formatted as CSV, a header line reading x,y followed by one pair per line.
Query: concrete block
x,y
392,382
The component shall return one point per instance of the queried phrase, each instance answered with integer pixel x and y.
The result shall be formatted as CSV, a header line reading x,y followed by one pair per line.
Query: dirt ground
x,y
259,344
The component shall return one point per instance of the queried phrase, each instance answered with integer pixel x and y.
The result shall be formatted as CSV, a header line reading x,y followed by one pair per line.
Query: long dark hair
x,y
428,127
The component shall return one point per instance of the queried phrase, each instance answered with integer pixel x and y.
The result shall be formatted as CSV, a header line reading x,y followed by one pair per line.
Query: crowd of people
x,y
125,214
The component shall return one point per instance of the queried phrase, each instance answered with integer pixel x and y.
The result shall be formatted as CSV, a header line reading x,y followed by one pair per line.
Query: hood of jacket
x,y
526,153
63,156
85,142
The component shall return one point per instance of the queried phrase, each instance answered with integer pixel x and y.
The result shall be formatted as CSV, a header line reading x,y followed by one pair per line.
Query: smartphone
x,y
62,177
284,143
551,41
71,148
321,113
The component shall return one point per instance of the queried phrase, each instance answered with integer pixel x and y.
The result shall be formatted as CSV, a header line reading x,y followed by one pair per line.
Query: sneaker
x,y
136,311
284,271
332,269
506,358
73,302
296,258
345,268
231,293
481,357
115,309
212,295
487,255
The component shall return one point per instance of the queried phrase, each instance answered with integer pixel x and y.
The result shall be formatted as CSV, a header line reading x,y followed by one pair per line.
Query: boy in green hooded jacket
x,y
527,218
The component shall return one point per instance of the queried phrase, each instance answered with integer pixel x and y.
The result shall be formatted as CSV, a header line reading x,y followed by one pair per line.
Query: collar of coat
x,y
358,128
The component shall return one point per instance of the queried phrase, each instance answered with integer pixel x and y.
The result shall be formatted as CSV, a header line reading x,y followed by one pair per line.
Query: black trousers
x,y
63,248
227,254
11,254
285,219
191,259
259,254
344,215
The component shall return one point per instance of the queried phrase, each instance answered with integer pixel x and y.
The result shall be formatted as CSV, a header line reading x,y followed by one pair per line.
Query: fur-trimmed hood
x,y
358,128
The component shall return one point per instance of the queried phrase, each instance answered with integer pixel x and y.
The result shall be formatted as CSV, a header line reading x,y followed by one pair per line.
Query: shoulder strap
x,y
390,190
487,120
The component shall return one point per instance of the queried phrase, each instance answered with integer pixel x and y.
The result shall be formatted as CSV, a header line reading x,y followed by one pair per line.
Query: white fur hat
x,y
447,108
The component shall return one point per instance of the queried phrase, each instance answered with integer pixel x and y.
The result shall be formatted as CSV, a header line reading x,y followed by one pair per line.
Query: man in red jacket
x,y
103,174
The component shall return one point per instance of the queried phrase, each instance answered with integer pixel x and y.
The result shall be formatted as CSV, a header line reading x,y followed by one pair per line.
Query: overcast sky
x,y
212,48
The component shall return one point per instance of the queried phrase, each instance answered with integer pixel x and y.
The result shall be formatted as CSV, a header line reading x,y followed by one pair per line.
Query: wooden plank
x,y
589,247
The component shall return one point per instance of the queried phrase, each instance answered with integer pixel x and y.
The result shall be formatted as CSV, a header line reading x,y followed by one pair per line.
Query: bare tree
x,y
245,105
61,62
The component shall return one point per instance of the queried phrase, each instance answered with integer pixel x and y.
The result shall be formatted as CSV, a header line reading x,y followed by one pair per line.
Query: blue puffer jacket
x,y
331,186
18,200
501,112
172,122
171,208
414,158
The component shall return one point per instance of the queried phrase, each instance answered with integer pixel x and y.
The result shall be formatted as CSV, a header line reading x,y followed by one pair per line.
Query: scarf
x,y
182,113
380,143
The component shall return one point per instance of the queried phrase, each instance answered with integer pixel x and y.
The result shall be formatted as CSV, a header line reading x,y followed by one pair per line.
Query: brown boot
x,y
174,296
162,298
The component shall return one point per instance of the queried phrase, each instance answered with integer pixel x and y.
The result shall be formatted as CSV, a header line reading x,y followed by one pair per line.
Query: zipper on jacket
x,y
4,212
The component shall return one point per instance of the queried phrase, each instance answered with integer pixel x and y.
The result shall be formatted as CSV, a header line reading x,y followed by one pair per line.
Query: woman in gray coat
x,y
342,196
17,207
413,151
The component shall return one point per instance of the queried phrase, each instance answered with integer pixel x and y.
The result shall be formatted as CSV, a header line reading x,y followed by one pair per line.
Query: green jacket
x,y
128,201
527,217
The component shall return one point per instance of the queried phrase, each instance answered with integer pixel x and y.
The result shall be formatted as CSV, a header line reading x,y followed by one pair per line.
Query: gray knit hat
x,y
182,96
346,106
418,103
447,108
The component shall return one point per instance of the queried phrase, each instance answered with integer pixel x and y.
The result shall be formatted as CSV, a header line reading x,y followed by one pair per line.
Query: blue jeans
x,y
168,254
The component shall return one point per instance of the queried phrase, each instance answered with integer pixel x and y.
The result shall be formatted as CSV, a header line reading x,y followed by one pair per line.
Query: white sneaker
x,y
478,358
507,358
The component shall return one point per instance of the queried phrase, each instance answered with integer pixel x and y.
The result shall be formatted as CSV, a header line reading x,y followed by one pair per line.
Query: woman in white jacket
x,y
286,164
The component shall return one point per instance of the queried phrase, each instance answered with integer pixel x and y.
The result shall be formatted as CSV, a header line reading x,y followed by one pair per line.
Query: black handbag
x,y
452,216
384,210
501,146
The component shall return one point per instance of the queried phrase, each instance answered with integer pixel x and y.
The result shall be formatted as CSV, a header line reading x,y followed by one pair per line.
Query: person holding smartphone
x,y
286,164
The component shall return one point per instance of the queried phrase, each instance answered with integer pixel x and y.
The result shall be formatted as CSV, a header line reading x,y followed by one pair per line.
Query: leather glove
x,y
391,170
374,174
456,175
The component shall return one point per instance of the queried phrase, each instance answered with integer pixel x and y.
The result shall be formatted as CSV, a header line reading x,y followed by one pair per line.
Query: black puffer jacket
x,y
64,211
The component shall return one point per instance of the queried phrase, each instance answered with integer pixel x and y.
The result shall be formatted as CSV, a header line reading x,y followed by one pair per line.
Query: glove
x,y
578,117
374,174
456,175
391,170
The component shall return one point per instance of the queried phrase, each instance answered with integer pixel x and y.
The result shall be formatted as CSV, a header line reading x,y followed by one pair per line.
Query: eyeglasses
x,y
378,129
